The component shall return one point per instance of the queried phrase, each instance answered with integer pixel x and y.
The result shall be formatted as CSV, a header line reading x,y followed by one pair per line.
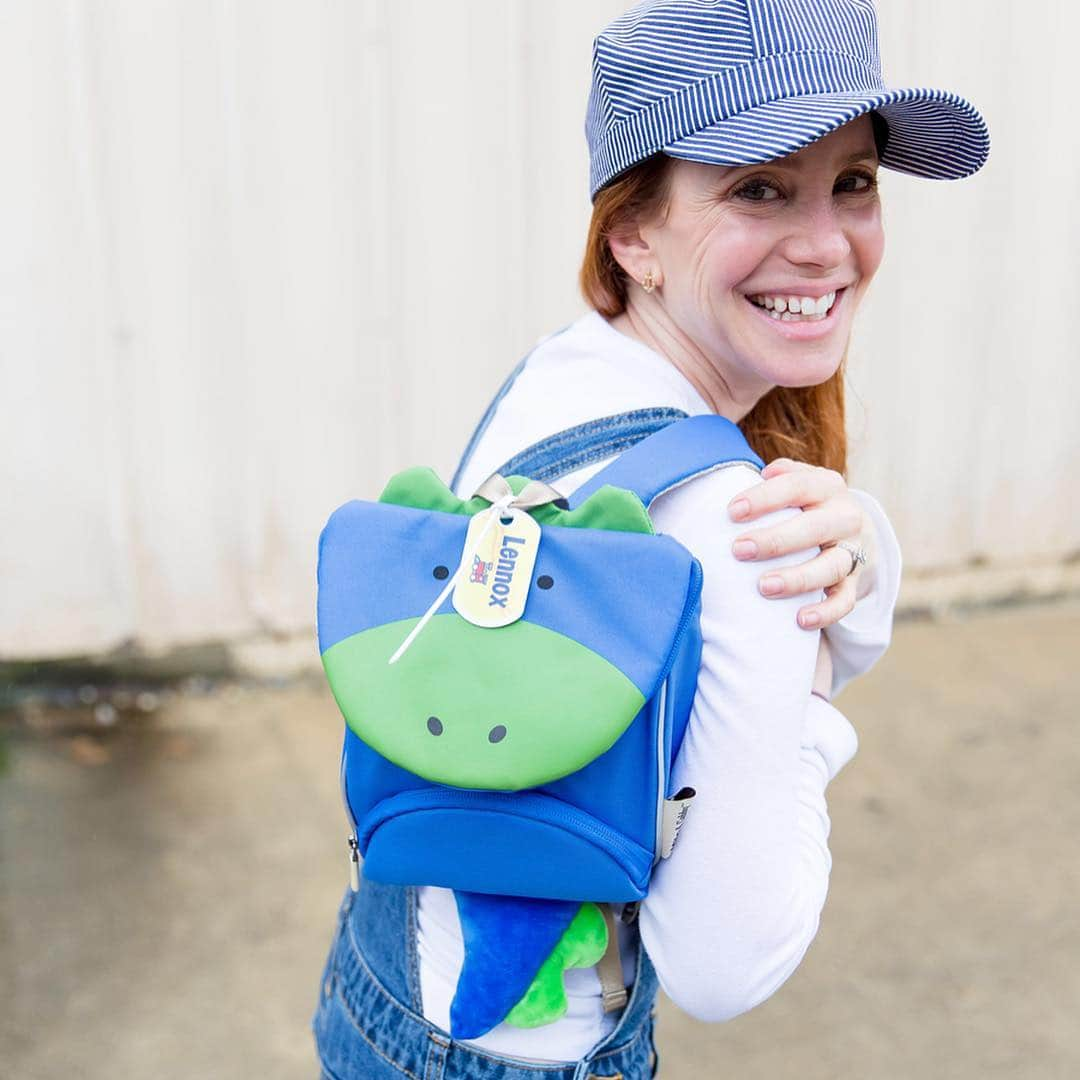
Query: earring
x,y
648,282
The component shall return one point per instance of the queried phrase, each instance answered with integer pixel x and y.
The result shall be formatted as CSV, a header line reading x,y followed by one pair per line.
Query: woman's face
x,y
735,239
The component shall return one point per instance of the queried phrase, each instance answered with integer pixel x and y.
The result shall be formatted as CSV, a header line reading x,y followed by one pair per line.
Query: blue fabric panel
x,y
619,788
622,595
682,685
507,939
674,454
376,565
595,440
369,777
478,849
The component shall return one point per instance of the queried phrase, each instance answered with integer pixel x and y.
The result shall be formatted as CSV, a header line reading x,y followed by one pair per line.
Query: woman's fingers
x,y
839,601
781,465
830,514
838,519
798,485
821,572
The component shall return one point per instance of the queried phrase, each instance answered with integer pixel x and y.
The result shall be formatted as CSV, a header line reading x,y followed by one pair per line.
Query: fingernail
x,y
744,549
771,584
739,509
810,619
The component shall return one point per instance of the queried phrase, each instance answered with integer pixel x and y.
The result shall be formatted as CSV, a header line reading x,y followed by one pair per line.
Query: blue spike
x,y
507,940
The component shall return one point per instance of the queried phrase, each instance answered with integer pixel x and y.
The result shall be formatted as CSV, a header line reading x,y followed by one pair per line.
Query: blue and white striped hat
x,y
737,82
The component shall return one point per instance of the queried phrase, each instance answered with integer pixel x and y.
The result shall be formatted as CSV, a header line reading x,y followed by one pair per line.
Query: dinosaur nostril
x,y
434,725
497,734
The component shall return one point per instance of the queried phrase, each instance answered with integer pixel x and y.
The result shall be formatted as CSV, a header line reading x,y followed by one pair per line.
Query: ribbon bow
x,y
535,493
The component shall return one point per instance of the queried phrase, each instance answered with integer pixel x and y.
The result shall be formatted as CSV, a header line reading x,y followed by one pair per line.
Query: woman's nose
x,y
819,239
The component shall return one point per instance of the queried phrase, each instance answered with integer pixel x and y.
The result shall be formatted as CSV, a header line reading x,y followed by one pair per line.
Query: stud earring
x,y
648,282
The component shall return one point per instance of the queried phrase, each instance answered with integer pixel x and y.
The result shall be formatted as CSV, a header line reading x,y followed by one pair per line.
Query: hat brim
x,y
932,133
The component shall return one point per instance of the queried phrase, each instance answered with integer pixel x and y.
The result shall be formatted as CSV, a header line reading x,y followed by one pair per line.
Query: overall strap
x,y
595,440
671,456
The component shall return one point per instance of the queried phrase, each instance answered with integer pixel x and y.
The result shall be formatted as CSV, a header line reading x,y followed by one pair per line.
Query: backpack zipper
x,y
352,839
693,594
661,768
546,809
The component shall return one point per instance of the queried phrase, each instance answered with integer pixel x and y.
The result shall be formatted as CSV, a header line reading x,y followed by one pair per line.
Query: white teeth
x,y
792,308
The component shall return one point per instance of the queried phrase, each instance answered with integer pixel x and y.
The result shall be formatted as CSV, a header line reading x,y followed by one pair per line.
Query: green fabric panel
x,y
608,508
561,704
582,945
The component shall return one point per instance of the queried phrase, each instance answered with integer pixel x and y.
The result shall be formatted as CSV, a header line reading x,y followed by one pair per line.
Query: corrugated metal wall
x,y
256,256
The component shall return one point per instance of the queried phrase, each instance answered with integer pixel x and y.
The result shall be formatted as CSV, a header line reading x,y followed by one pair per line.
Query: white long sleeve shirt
x,y
731,913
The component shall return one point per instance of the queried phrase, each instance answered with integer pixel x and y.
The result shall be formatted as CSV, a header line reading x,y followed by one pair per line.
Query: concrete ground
x,y
169,873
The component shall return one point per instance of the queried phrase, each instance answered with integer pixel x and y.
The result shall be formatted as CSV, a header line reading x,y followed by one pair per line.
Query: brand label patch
x,y
675,810
498,561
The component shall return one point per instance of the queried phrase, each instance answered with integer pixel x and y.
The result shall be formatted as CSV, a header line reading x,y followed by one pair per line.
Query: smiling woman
x,y
806,226
733,215
736,228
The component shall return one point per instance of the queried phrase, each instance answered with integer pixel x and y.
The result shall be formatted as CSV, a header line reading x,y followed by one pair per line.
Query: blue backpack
x,y
531,759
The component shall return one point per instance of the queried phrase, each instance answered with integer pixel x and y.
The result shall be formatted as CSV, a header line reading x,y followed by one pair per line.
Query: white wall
x,y
256,256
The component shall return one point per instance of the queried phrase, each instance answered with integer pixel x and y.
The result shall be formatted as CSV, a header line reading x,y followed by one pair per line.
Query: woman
x,y
736,228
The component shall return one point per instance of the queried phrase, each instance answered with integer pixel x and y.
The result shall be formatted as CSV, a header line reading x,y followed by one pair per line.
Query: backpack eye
x,y
434,725
544,582
440,573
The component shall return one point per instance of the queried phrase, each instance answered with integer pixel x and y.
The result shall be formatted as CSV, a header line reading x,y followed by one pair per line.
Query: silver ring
x,y
858,555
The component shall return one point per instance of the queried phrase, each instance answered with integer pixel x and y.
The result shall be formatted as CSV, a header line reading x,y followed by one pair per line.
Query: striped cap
x,y
736,82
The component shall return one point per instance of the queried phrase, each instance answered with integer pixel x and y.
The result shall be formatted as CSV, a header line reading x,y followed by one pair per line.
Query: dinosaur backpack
x,y
516,672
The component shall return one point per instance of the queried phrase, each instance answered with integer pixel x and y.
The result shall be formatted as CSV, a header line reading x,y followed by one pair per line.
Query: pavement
x,y
170,866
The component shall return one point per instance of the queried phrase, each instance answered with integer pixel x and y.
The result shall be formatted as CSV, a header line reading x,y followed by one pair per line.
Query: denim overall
x,y
369,1022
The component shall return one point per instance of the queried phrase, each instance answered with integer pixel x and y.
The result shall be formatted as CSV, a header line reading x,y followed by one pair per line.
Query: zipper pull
x,y
354,863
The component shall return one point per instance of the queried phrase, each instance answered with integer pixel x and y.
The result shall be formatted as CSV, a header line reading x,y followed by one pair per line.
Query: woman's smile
x,y
797,316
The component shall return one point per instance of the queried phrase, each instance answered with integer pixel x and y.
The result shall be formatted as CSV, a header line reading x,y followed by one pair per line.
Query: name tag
x,y
497,567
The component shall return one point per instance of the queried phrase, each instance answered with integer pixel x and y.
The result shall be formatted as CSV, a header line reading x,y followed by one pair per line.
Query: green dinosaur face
x,y
475,708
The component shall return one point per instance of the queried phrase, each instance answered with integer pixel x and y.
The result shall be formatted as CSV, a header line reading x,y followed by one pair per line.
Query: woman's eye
x,y
758,191
856,182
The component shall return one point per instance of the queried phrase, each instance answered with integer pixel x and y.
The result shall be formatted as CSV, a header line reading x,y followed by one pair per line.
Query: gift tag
x,y
496,566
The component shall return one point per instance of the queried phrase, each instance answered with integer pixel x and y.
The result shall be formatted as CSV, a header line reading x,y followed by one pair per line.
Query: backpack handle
x,y
676,453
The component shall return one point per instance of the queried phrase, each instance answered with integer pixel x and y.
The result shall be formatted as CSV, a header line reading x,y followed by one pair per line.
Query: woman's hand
x,y
831,513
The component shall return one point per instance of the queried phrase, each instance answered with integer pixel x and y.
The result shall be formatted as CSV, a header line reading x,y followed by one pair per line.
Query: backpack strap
x,y
609,968
671,456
